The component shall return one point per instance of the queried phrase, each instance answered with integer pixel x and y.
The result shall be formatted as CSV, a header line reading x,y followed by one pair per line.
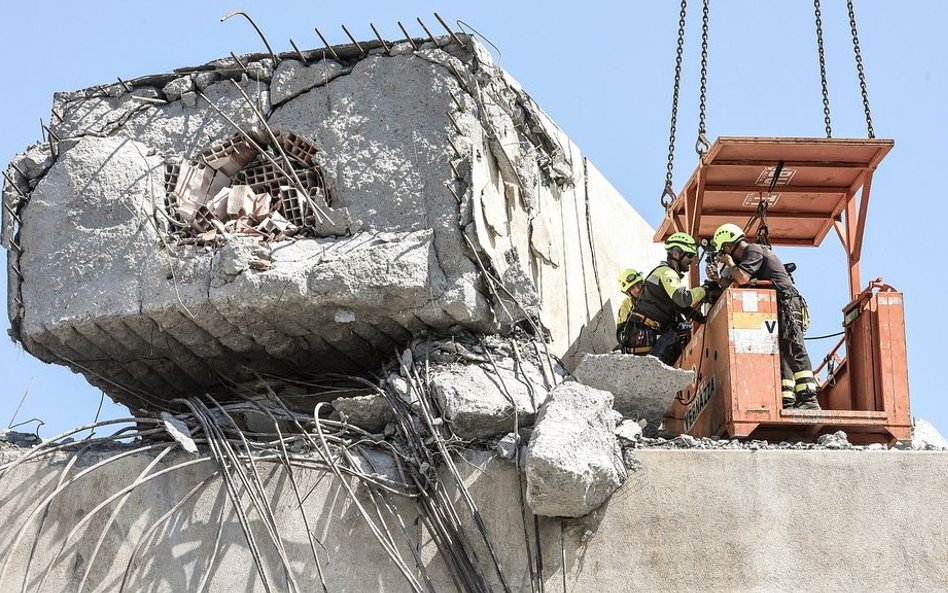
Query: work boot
x,y
806,400
789,402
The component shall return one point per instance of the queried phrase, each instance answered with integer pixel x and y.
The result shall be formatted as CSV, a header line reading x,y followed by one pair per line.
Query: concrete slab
x,y
733,520
573,462
439,167
643,386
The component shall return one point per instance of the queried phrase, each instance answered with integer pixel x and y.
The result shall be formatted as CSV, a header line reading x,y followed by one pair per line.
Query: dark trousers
x,y
664,344
668,346
796,369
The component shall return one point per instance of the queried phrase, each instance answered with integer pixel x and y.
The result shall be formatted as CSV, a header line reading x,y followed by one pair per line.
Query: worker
x,y
657,323
745,262
630,283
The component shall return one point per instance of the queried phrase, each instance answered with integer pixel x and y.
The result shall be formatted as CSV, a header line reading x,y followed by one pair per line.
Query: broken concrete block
x,y
629,429
398,257
261,70
368,412
202,80
478,403
926,437
179,431
573,462
643,386
507,447
177,87
837,440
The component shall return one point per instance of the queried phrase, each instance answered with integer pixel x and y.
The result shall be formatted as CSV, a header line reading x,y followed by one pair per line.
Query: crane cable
x,y
668,193
819,49
702,145
859,69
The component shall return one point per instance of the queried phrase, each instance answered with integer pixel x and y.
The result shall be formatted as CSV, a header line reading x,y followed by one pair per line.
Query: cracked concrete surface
x,y
476,213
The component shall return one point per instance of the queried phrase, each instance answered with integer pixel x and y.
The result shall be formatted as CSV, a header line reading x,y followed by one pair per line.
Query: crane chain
x,y
859,69
701,144
819,49
668,194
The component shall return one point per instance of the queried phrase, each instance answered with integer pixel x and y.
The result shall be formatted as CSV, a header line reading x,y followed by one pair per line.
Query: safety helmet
x,y
727,233
682,241
629,278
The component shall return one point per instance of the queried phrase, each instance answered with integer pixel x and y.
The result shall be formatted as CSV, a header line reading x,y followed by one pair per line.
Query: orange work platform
x,y
823,184
737,365
801,188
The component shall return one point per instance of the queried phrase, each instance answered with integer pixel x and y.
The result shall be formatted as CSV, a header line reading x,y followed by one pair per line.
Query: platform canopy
x,y
816,189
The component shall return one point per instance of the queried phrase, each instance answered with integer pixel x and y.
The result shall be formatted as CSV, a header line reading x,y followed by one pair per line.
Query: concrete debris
x,y
479,403
14,445
629,429
202,80
177,87
232,188
926,437
377,464
179,431
507,447
643,386
189,99
362,206
837,440
400,386
368,412
22,440
573,461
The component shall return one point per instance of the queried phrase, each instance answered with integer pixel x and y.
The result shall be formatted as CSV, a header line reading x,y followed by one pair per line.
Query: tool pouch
x,y
638,338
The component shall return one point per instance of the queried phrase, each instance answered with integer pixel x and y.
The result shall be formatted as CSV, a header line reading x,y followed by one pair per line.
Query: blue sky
x,y
603,72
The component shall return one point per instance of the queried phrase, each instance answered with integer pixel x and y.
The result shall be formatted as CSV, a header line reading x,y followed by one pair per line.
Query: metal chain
x,y
668,194
859,69
701,144
819,48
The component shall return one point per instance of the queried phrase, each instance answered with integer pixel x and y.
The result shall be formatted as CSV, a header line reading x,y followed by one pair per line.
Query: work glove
x,y
712,291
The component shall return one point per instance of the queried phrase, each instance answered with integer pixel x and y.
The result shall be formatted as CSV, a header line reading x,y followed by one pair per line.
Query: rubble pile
x,y
836,440
268,186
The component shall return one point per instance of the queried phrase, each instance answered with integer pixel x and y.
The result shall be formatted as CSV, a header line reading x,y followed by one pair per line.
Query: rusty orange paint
x,y
823,184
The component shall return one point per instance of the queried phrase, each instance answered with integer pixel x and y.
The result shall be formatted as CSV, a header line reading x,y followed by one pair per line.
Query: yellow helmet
x,y
682,241
629,278
727,233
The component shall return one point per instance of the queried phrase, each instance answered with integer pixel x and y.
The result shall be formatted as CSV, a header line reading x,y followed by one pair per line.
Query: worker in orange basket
x,y
630,283
748,261
657,323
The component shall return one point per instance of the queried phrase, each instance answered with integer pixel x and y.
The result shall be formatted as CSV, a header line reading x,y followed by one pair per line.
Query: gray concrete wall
x,y
685,521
